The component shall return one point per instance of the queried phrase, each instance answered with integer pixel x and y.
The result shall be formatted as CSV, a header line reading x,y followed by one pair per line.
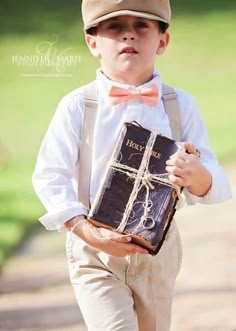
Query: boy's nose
x,y
128,36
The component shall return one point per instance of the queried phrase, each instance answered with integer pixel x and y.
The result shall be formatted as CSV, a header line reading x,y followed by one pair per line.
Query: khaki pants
x,y
125,294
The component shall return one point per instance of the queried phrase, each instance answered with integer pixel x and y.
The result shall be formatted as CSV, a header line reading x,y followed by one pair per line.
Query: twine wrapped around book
x,y
142,178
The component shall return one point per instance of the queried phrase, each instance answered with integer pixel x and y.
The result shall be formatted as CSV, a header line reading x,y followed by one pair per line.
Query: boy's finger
x,y
179,155
122,239
179,162
190,148
112,235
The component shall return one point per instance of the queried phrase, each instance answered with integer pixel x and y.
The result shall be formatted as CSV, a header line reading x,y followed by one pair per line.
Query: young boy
x,y
118,285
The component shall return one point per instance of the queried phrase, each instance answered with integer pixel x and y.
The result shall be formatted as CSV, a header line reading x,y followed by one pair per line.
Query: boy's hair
x,y
96,11
162,26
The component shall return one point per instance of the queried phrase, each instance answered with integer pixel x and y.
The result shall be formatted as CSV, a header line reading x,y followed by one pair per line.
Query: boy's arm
x,y
56,167
205,180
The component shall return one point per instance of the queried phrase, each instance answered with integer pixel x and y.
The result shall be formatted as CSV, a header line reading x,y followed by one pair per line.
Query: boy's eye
x,y
141,24
114,26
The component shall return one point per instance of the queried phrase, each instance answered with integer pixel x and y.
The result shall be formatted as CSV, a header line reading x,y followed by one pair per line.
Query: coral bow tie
x,y
148,95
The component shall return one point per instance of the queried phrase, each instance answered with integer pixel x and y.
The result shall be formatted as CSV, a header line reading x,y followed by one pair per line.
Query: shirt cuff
x,y
55,220
216,193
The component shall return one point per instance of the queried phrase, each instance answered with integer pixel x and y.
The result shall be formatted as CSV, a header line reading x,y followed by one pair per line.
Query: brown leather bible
x,y
136,197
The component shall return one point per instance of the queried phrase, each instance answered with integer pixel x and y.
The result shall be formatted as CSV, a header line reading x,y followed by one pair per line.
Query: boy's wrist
x,y
71,223
202,187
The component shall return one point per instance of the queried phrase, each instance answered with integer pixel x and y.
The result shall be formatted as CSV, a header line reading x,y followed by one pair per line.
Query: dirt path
x,y
35,293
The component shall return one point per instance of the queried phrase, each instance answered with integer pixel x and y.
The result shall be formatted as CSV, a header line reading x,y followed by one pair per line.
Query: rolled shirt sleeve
x,y
194,131
55,178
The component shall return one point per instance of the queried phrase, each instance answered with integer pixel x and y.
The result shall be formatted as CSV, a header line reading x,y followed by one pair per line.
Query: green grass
x,y
200,59
19,208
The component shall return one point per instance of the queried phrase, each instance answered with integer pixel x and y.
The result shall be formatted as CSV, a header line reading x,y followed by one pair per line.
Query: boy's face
x,y
127,47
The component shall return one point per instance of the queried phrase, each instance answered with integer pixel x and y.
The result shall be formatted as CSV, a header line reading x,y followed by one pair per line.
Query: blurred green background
x,y
201,59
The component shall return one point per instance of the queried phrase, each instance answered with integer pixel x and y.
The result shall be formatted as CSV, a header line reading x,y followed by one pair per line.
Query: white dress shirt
x,y
55,178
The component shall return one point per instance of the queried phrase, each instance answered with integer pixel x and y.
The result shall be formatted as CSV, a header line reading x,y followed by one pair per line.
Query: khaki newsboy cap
x,y
96,11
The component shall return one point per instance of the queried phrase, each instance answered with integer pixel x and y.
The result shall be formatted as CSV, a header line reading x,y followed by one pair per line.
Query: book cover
x,y
136,197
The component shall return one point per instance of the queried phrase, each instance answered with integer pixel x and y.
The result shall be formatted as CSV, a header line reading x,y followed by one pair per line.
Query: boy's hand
x,y
186,170
105,240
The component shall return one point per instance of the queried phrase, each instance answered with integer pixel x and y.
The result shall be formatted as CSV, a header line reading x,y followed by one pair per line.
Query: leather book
x,y
136,197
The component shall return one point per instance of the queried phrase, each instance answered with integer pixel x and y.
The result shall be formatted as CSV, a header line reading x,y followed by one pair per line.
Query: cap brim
x,y
121,13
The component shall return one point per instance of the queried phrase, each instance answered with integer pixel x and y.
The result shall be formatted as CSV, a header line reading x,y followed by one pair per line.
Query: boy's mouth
x,y
128,50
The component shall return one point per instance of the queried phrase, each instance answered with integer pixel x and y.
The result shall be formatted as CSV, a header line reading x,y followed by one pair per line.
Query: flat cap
x,y
96,11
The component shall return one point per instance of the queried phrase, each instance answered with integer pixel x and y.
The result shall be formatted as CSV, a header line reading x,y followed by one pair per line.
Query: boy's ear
x,y
92,44
164,41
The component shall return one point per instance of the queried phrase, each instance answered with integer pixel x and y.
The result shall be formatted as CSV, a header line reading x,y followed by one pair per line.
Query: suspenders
x,y
86,145
85,159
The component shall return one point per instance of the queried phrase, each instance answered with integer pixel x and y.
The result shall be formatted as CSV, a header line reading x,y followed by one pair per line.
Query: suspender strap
x,y
86,144
172,109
